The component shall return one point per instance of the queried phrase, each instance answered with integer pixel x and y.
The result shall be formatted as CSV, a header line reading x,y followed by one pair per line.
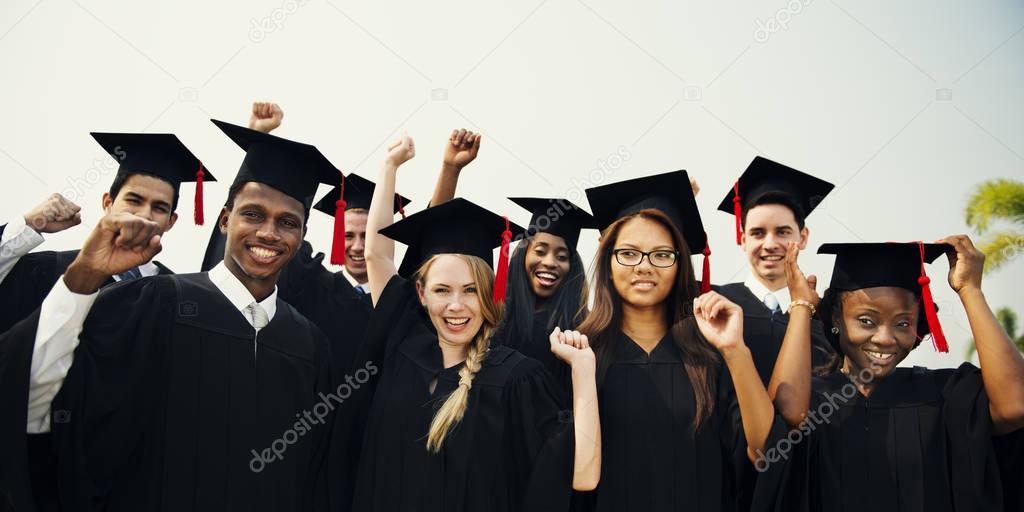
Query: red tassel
x,y
198,210
737,210
501,272
401,207
705,275
938,338
338,243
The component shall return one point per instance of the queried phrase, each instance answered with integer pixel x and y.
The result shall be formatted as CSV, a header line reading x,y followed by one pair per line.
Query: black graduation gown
x,y
173,402
513,449
537,346
651,459
921,442
15,365
764,331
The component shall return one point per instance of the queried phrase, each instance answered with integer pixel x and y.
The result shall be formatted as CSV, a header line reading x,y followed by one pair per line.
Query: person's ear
x,y
222,221
171,221
421,293
805,235
107,202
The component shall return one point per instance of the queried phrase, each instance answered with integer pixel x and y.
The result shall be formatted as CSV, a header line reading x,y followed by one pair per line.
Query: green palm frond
x,y
1009,322
1001,247
992,200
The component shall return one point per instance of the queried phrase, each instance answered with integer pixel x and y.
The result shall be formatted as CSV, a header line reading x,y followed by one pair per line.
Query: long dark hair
x,y
604,323
566,308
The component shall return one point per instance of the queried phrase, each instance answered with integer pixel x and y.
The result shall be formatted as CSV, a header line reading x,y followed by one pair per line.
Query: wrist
x,y
583,365
450,168
81,279
970,292
735,351
30,224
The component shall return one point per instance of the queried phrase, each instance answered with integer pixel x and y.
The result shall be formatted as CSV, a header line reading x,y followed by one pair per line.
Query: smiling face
x,y
355,245
450,294
144,196
767,232
547,264
264,228
877,328
643,285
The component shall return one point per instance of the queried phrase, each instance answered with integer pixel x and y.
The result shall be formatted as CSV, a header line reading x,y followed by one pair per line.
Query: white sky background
x,y
848,91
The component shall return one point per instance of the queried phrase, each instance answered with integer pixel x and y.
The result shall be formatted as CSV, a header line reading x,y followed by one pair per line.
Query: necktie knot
x,y
132,273
257,315
771,302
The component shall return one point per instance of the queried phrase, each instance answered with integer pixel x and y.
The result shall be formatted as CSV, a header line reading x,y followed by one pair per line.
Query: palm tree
x,y
1008,319
998,200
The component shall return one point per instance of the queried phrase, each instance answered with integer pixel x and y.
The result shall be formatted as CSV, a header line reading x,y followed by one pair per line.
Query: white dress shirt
x,y
61,319
17,241
761,291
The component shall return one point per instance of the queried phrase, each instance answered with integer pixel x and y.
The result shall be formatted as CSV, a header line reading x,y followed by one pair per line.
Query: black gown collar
x,y
664,352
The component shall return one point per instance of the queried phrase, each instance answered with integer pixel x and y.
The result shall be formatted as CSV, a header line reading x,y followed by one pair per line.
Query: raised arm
x,y
1002,366
721,323
266,116
573,348
461,149
20,236
380,250
790,385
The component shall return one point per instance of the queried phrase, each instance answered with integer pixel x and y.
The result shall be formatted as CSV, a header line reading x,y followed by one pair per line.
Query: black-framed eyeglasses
x,y
632,257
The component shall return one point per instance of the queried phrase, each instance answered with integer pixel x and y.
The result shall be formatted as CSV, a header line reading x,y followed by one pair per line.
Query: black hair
x,y
779,198
121,179
566,308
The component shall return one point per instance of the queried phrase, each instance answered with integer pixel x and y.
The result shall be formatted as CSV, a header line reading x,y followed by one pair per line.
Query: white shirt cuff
x,y
19,239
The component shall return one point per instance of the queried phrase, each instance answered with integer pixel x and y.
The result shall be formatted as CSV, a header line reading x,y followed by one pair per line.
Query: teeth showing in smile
x,y
357,258
263,253
643,285
456,321
771,258
880,356
547,277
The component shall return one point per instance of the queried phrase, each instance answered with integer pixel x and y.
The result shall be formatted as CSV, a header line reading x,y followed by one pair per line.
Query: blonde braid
x,y
454,406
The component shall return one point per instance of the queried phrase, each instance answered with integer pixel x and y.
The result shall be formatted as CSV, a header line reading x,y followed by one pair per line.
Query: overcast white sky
x,y
904,105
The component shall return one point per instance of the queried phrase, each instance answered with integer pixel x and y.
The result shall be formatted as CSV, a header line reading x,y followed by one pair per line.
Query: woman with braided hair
x,y
455,422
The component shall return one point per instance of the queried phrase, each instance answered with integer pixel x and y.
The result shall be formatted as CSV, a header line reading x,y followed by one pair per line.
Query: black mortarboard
x,y
669,193
358,192
899,264
292,167
157,154
763,176
458,227
558,217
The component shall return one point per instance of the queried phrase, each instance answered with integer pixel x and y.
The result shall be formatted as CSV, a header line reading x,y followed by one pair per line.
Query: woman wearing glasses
x,y
682,409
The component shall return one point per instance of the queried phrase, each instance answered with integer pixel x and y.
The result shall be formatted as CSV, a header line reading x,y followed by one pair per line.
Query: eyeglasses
x,y
633,257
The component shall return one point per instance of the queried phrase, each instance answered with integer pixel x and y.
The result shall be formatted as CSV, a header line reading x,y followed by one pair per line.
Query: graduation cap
x,y
870,265
291,167
157,154
669,193
763,176
558,217
458,227
354,192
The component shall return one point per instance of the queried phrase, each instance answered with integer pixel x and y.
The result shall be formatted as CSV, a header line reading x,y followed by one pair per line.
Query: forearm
x,y
380,250
61,318
18,240
587,428
1002,366
756,410
447,182
790,385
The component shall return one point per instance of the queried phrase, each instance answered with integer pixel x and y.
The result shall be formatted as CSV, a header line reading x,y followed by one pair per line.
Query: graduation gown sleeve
x,y
15,364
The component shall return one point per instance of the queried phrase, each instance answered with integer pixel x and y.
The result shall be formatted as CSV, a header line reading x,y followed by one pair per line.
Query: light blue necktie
x,y
772,303
133,273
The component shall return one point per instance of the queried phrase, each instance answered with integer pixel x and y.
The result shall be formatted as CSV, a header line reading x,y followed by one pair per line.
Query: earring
x,y
835,330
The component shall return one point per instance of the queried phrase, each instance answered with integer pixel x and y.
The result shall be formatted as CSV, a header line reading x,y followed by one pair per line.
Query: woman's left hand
x,y
719,320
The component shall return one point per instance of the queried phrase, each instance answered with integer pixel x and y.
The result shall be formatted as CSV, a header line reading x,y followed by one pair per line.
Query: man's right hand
x,y
120,242
53,215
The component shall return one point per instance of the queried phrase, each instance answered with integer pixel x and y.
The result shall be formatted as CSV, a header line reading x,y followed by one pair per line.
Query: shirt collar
x,y
237,293
761,291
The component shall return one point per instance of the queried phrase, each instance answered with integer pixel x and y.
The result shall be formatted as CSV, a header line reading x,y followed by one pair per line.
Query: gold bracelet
x,y
804,303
